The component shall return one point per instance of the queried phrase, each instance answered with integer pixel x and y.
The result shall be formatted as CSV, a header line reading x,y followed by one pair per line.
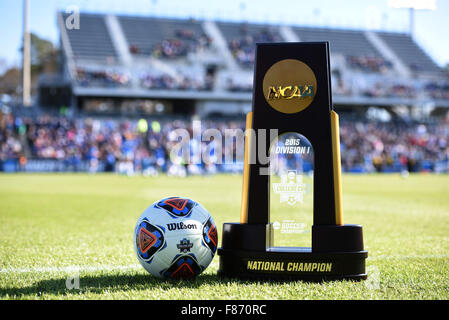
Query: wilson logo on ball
x,y
180,226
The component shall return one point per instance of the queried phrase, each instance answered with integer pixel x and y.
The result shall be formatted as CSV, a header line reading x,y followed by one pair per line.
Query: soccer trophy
x,y
292,176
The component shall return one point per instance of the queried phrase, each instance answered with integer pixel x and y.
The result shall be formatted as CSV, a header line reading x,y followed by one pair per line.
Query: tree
x,y
10,81
43,56
44,59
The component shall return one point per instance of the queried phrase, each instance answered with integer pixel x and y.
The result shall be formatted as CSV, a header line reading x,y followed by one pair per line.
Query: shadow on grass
x,y
109,283
98,284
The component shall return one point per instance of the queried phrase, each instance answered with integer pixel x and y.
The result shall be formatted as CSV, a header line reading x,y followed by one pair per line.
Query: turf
x,y
54,226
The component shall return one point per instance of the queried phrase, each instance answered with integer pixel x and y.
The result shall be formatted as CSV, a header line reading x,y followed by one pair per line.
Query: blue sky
x,y
355,14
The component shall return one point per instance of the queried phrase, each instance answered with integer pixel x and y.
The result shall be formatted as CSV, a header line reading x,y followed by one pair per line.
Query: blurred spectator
x,y
166,82
369,64
134,49
127,146
243,48
383,90
438,90
184,42
10,145
390,146
102,78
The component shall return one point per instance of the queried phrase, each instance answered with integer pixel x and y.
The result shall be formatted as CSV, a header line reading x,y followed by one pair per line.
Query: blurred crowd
x,y
185,41
438,90
145,146
10,131
147,80
372,88
244,47
397,90
103,78
368,64
388,87
378,146
167,82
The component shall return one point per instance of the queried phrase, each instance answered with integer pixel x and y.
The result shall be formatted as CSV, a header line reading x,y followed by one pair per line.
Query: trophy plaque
x,y
291,220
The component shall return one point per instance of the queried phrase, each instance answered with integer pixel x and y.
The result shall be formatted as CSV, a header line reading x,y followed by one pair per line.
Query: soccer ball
x,y
175,238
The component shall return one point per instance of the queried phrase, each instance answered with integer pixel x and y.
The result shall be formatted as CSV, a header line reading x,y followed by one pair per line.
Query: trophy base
x,y
247,254
292,264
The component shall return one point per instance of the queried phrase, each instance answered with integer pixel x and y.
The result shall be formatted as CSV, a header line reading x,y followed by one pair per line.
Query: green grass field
x,y
53,226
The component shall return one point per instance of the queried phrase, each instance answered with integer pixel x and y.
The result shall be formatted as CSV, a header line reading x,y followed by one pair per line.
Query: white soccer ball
x,y
175,238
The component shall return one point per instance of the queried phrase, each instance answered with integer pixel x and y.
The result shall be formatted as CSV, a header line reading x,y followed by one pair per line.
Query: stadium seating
x,y
146,55
407,49
92,41
352,44
242,38
346,42
144,35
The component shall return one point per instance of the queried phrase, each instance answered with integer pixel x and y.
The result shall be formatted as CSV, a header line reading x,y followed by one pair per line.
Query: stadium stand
x,y
346,42
413,56
124,68
167,58
92,41
243,37
352,44
163,38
